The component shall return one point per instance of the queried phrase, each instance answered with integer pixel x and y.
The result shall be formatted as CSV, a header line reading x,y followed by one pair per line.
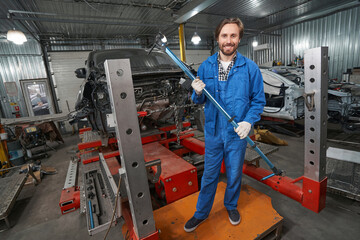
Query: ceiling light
x,y
255,43
196,38
16,37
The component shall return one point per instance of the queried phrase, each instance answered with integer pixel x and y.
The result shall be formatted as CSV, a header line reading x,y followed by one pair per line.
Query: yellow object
x,y
258,218
265,136
182,42
4,160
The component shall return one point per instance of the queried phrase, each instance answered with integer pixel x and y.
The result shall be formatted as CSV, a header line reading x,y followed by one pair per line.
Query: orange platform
x,y
258,218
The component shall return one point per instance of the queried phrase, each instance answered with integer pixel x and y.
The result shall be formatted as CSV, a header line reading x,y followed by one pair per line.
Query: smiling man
x,y
236,84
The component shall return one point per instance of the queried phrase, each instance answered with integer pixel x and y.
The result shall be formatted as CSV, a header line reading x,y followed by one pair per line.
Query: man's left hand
x,y
243,129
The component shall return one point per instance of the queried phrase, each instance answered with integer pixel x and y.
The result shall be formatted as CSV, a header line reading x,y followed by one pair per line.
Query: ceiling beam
x,y
85,17
193,8
313,15
61,20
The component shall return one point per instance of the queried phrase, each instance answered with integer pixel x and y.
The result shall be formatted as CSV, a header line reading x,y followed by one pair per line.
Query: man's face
x,y
229,39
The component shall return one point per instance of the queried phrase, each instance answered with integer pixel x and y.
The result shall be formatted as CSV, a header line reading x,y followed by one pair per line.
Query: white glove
x,y
198,85
243,129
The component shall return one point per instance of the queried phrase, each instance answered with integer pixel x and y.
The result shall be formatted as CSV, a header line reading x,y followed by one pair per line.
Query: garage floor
x,y
36,214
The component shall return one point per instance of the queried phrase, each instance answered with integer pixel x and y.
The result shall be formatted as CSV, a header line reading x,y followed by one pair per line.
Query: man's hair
x,y
236,21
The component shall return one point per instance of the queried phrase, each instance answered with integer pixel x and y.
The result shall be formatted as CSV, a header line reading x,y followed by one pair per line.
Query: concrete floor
x,y
36,214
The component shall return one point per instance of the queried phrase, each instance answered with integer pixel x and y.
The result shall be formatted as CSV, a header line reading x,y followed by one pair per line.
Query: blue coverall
x,y
242,96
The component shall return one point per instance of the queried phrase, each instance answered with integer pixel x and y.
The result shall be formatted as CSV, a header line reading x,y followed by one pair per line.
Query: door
x,y
63,65
37,96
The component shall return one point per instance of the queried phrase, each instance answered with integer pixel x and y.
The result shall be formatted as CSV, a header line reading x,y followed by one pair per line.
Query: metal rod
x,y
217,105
91,215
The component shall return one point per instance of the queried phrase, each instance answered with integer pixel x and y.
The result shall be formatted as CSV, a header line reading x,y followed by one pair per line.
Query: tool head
x,y
160,42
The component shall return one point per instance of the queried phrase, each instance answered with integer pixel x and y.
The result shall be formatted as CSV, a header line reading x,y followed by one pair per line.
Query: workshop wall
x,y
18,62
339,31
194,57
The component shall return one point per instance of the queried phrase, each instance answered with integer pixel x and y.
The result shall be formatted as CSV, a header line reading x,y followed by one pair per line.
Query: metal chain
x,y
176,112
172,107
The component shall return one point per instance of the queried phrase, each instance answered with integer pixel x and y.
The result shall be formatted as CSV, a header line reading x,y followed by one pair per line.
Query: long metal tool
x,y
160,40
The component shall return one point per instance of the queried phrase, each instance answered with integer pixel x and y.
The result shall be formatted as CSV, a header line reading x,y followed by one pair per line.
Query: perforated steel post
x,y
316,87
122,99
316,91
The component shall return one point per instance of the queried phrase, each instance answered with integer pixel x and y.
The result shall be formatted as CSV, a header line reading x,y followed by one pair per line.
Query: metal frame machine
x,y
124,187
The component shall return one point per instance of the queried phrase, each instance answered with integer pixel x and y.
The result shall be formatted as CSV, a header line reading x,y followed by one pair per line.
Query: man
x,y
236,84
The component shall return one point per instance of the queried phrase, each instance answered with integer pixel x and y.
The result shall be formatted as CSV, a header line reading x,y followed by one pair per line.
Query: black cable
x,y
277,110
281,87
274,111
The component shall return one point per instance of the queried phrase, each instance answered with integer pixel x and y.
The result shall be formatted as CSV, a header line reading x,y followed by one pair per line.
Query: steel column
x,y
316,82
122,99
316,91
182,42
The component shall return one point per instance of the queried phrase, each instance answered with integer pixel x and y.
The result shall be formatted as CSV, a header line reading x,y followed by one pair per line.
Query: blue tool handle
x,y
217,105
91,215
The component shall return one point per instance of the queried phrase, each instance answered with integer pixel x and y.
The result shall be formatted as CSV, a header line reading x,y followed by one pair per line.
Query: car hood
x,y
141,61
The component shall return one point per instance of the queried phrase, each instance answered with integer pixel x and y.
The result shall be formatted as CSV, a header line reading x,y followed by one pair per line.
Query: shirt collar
x,y
233,60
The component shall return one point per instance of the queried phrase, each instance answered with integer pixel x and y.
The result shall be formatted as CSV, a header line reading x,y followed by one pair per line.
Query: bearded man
x,y
237,85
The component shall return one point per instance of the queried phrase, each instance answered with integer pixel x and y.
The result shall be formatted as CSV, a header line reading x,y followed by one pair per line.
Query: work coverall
x,y
241,96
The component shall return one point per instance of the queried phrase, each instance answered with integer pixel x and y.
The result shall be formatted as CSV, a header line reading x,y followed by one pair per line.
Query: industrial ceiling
x,y
68,20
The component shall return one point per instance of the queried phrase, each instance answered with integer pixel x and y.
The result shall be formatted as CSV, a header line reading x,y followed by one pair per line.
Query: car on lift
x,y
159,86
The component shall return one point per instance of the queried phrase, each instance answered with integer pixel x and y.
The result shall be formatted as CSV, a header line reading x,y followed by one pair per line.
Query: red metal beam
x,y
82,130
173,127
86,145
174,139
194,145
153,138
284,185
311,194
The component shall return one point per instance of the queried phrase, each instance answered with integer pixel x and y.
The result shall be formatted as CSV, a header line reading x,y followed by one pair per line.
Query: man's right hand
x,y
198,85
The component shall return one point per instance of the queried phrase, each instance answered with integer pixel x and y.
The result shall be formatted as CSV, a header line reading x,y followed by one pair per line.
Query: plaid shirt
x,y
223,75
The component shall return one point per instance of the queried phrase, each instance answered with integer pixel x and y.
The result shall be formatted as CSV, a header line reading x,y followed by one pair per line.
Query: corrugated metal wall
x,y
18,63
339,31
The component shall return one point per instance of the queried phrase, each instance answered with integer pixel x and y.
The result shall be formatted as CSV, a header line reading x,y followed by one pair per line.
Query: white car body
x,y
284,98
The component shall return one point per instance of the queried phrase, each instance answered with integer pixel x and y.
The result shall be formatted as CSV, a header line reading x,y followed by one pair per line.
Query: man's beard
x,y
228,53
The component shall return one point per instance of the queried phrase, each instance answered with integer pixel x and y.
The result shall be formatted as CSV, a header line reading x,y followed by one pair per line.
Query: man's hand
x,y
243,129
198,85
